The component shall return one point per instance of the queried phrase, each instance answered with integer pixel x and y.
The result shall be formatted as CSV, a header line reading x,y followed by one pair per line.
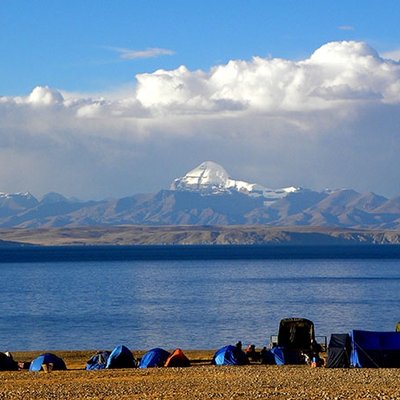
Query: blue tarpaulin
x,y
375,349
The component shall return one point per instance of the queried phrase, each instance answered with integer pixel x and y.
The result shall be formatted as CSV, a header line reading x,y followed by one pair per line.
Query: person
x,y
251,353
263,352
314,358
306,358
239,345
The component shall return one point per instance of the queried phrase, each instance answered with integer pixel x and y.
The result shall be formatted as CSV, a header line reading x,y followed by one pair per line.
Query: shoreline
x,y
128,235
200,381
190,252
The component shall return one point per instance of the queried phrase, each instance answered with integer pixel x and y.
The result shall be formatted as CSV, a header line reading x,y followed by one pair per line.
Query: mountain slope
x,y
206,195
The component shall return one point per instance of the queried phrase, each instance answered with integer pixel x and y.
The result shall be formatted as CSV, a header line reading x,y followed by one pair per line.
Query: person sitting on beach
x,y
263,351
314,357
251,353
239,345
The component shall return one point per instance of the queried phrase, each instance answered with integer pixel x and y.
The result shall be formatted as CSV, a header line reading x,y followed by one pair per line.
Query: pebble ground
x,y
201,381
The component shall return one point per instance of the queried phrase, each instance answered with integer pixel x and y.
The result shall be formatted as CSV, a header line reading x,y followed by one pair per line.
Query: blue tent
x,y
375,349
47,358
279,357
121,357
283,356
7,363
98,361
154,358
229,355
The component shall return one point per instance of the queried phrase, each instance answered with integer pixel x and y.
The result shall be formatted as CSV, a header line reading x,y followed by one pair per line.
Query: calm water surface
x,y
189,304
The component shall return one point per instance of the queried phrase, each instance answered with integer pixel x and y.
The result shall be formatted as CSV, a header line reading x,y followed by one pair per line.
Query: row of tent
x,y
122,357
296,339
360,349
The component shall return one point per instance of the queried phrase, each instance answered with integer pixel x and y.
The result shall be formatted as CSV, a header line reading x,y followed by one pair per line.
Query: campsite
x,y
357,365
200,381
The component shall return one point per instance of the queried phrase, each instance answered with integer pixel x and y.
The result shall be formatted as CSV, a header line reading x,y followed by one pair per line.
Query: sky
x,y
102,99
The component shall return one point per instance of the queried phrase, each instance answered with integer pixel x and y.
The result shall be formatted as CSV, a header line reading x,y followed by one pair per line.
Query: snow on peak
x,y
205,176
211,178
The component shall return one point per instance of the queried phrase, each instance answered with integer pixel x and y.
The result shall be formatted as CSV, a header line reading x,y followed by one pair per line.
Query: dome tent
x,y
229,355
121,357
177,359
98,361
154,358
46,359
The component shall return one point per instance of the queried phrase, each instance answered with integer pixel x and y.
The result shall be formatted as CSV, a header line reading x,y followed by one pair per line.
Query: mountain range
x,y
206,196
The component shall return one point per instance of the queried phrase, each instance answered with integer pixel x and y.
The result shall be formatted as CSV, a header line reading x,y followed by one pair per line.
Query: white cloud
x,y
44,96
392,55
345,70
329,120
152,52
346,28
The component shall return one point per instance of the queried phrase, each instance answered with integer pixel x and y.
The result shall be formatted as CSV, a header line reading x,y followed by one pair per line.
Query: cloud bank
x,y
331,120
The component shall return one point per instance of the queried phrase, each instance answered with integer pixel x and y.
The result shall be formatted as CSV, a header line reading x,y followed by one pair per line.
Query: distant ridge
x,y
207,196
198,235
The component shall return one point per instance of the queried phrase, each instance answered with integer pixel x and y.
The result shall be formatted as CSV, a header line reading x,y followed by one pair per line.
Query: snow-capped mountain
x,y
211,178
17,200
207,195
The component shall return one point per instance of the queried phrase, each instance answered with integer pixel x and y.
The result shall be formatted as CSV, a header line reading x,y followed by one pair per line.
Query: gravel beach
x,y
200,381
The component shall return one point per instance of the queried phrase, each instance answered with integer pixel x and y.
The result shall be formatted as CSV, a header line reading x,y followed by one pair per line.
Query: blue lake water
x,y
199,304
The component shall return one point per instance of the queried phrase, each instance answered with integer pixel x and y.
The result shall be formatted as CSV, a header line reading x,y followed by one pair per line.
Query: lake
x,y
188,303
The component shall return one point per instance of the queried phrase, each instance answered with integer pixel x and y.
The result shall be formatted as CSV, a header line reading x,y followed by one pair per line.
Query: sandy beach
x,y
200,381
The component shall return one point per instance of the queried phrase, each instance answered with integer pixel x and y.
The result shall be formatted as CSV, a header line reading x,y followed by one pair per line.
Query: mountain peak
x,y
208,175
211,178
53,197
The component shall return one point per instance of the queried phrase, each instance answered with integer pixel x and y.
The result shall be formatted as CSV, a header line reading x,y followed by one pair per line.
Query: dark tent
x,y
296,334
121,357
154,358
339,349
375,349
230,355
177,359
98,361
7,363
47,360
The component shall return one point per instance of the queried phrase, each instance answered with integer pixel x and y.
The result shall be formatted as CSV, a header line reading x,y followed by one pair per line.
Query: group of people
x,y
251,352
311,357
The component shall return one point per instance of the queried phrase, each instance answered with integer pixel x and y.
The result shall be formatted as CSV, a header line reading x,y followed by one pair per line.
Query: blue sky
x,y
102,98
68,44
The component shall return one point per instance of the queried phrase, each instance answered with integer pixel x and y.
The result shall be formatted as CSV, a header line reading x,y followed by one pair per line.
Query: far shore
x,y
200,381
128,235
